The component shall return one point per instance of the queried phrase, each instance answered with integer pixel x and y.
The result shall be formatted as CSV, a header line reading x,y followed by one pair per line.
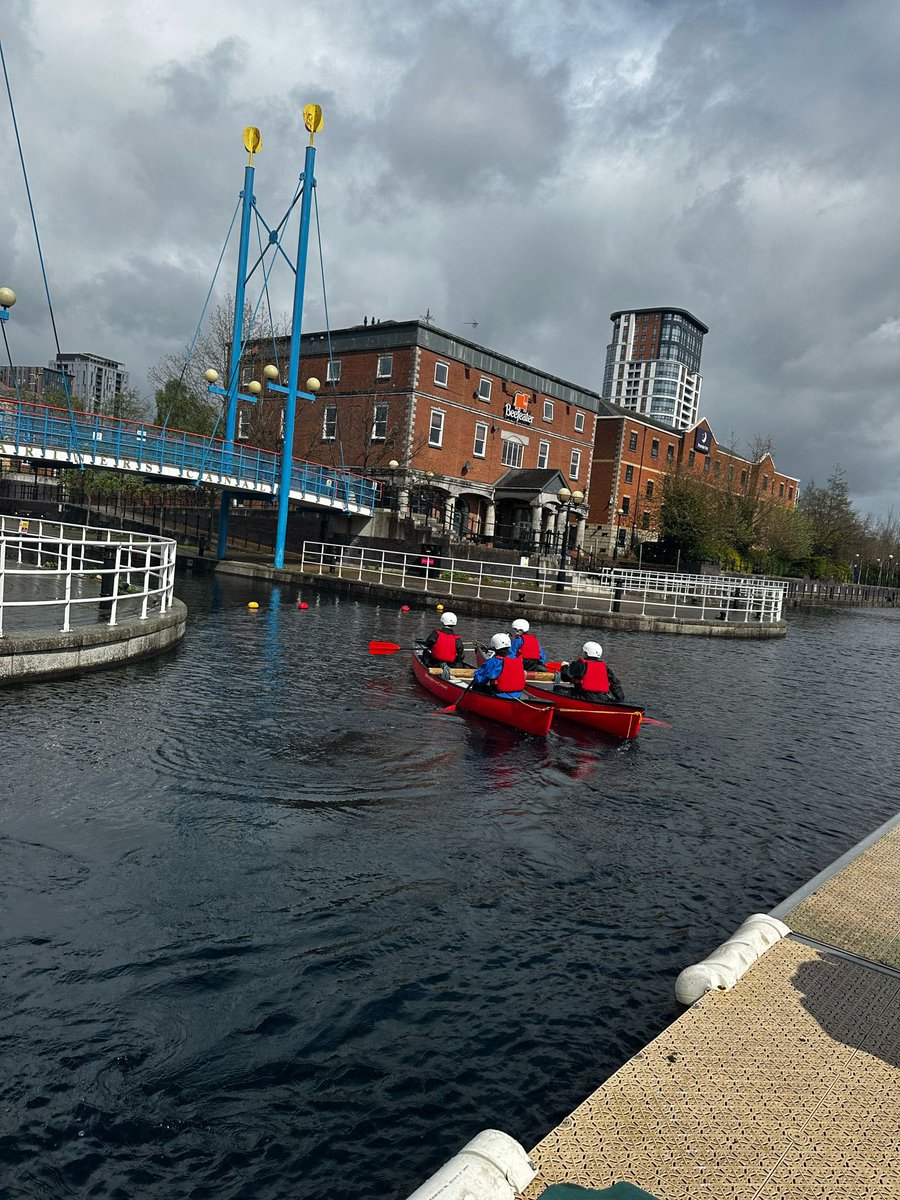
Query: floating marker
x,y
253,604
302,604
439,607
404,608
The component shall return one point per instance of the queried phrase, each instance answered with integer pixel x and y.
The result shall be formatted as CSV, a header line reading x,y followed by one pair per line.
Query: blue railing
x,y
84,439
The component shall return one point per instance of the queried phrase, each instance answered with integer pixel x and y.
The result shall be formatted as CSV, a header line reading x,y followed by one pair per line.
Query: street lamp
x,y
880,569
567,501
394,467
620,513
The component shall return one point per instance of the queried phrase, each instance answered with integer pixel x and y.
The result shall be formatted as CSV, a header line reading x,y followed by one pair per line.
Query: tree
x,y
834,525
179,407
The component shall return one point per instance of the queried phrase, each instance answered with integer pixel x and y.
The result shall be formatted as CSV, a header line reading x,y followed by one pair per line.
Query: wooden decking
x,y
787,1087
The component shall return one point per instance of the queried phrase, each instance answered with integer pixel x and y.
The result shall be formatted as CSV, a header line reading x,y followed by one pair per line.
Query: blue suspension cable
x,y
12,370
346,481
37,237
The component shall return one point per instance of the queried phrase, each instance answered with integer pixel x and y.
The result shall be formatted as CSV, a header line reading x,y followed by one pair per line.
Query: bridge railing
x,y
90,438
54,572
637,593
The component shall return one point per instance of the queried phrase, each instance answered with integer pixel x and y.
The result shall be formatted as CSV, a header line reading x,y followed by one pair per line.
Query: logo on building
x,y
520,415
702,440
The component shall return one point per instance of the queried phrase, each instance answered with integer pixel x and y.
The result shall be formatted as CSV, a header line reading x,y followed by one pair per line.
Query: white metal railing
x,y
51,565
735,598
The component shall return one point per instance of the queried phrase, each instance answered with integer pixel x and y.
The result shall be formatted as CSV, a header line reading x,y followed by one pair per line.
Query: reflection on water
x,y
275,926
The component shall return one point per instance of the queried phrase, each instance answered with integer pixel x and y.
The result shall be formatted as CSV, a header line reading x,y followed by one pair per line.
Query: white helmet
x,y
520,626
500,641
448,620
592,650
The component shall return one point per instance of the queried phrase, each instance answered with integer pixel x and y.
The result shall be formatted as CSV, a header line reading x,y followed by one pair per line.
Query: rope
x,y
324,292
266,286
12,370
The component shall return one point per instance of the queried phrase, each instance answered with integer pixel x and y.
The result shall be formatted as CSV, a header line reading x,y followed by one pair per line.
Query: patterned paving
x,y
859,908
785,1088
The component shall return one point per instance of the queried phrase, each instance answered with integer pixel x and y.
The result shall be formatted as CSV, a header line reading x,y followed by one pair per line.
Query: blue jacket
x,y
517,644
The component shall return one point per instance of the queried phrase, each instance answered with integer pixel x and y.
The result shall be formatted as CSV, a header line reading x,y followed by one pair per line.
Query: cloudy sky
x,y
531,166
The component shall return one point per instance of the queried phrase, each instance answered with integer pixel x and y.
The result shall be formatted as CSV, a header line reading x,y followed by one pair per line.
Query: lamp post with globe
x,y
567,501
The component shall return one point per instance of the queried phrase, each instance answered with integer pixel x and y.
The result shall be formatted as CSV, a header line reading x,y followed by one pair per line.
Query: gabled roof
x,y
531,481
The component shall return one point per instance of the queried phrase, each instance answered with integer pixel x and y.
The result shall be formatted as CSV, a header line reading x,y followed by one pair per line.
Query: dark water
x,y
272,929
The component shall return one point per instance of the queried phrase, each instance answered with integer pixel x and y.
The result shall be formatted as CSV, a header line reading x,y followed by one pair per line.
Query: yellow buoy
x,y
253,604
439,607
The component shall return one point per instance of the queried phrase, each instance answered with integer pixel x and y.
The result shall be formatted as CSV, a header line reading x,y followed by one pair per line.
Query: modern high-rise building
x,y
653,364
96,380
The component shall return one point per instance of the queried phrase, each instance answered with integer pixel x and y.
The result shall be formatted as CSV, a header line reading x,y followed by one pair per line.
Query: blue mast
x,y
252,143
312,117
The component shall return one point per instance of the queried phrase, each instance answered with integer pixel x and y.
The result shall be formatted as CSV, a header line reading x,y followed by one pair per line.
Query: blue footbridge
x,y
56,437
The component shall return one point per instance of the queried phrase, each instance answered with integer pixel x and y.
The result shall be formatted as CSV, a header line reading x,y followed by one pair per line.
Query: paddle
x,y
383,647
452,708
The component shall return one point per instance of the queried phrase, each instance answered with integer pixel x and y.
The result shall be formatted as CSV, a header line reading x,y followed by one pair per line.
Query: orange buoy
x,y
302,604
404,608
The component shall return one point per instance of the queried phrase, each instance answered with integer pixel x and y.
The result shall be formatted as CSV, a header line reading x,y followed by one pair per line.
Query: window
x,y
743,478
765,486
579,422
781,489
692,454
385,366
379,422
512,453
575,464
479,449
441,374
790,493
543,455
716,467
333,371
626,505
706,465
649,489
730,473
654,448
329,423
243,430
484,389
548,410
629,474
436,429
670,452
632,441
645,520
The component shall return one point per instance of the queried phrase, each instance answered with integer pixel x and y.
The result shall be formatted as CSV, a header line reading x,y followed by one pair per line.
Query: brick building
x,y
633,455
653,364
466,443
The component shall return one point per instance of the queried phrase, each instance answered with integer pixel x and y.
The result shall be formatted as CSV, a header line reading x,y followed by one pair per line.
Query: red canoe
x,y
526,715
618,720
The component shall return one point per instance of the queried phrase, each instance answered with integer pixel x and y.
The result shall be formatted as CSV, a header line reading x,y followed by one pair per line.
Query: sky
x,y
529,166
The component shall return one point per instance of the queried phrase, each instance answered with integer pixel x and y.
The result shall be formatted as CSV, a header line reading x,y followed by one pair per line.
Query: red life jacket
x,y
511,677
444,649
595,676
530,648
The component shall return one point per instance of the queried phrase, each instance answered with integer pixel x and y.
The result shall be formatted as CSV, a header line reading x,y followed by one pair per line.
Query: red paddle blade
x,y
552,666
653,721
383,647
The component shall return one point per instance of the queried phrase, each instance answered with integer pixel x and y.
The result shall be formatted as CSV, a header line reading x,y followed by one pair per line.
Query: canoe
x,y
527,715
618,720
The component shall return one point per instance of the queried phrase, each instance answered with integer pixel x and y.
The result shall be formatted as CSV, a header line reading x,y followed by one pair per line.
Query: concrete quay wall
x,y
47,654
479,606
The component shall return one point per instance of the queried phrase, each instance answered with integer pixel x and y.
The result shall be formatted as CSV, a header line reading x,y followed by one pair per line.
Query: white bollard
x,y
724,967
493,1166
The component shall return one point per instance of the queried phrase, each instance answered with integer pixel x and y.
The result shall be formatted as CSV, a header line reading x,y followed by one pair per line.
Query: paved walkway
x,y
787,1087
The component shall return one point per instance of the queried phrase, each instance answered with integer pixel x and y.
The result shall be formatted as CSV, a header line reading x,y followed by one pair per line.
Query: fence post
x,y
2,581
68,589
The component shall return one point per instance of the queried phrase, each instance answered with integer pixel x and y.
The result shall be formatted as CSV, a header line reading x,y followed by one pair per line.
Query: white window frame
x,y
333,371
579,422
436,440
243,425
379,417
445,372
543,457
512,453
574,464
329,420
481,436
548,410
485,393
384,368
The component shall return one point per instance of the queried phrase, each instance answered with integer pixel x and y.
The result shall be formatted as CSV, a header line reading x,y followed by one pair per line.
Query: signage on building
x,y
702,440
520,415
521,400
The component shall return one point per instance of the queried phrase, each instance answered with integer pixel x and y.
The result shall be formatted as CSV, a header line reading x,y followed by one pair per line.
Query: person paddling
x,y
502,674
526,646
443,646
590,678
